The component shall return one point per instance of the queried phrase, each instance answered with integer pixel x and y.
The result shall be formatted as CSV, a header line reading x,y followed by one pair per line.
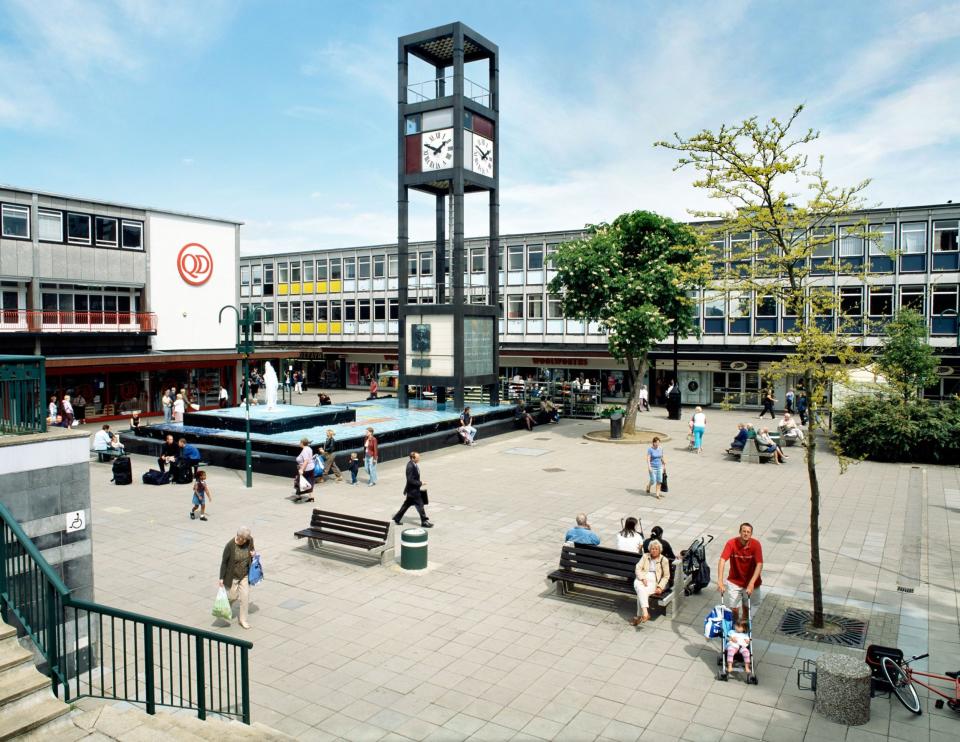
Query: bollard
x,y
413,548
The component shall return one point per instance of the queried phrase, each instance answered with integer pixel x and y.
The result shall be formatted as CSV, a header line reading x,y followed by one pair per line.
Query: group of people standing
x,y
317,466
66,412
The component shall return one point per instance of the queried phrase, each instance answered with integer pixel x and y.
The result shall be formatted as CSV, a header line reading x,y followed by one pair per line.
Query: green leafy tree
x,y
761,170
636,278
906,359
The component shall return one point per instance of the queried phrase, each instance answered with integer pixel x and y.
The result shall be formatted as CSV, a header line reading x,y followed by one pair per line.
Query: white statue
x,y
270,383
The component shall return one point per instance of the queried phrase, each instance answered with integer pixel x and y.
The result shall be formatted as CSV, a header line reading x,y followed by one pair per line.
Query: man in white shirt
x,y
103,440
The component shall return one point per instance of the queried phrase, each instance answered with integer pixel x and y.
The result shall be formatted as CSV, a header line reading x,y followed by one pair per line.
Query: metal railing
x,y
29,320
97,651
430,90
23,395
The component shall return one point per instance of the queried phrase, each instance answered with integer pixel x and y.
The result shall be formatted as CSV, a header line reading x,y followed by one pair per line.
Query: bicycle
x,y
902,677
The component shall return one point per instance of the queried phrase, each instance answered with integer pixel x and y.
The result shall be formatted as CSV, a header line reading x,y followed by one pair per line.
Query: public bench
x,y
615,570
349,530
750,453
106,455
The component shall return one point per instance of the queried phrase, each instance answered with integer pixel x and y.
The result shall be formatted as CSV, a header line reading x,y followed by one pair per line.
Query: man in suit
x,y
413,492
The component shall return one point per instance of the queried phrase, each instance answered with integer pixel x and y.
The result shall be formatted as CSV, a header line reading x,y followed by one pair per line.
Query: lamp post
x,y
245,348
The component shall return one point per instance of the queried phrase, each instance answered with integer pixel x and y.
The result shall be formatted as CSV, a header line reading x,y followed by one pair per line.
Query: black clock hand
x,y
436,150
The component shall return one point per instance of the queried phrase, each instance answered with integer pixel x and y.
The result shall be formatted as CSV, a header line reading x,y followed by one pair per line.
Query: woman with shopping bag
x,y
235,564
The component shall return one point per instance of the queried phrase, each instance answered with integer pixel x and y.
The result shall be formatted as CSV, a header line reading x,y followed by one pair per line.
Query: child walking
x,y
354,468
201,493
738,640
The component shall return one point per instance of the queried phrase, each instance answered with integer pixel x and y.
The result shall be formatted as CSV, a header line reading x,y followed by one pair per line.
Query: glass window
x,y
106,230
336,309
426,299
268,280
426,264
740,304
322,269
554,307
766,306
308,271
534,257
515,259
295,272
78,229
534,306
349,310
911,297
882,240
477,258
322,311
283,273
414,125
131,235
714,304
715,250
851,243
335,269
392,260
913,238
500,258
552,248
283,311
379,309
364,309
379,266
515,306
394,308
308,308
295,314
244,275
881,301
740,246
851,301
944,235
16,221
822,239
50,226
257,275
412,264
944,300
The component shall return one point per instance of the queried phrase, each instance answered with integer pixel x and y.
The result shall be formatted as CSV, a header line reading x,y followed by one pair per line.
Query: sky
x,y
282,114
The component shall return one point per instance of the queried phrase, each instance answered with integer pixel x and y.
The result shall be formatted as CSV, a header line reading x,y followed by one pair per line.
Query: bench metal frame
x,y
346,530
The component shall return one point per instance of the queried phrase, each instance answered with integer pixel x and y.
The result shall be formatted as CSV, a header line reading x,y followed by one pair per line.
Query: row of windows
x,y
72,227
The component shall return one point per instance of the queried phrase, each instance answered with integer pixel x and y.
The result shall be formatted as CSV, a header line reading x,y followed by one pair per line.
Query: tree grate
x,y
837,630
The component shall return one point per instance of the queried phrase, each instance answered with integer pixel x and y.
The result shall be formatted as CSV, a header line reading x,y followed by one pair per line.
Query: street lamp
x,y
245,348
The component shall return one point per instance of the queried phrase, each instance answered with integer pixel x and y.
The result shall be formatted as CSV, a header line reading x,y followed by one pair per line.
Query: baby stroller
x,y
695,563
717,625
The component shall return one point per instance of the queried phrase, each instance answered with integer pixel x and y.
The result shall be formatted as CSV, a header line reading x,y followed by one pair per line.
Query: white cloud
x,y
357,64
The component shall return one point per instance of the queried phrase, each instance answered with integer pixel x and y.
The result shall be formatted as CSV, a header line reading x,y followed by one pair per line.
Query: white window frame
x,y
116,229
846,239
20,211
903,242
888,241
940,225
41,213
124,224
80,240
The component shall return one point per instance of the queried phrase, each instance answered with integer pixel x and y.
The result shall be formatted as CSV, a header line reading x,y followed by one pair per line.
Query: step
x,y
13,655
20,682
30,717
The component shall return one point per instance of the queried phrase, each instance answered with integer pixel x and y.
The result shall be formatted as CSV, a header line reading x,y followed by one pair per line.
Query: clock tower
x,y
448,133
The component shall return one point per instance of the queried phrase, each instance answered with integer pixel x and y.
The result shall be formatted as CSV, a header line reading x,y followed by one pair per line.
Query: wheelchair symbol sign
x,y
76,521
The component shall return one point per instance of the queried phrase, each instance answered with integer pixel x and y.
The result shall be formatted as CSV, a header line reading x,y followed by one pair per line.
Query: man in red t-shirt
x,y
746,561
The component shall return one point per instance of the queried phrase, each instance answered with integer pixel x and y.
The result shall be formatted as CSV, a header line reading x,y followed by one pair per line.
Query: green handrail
x,y
37,596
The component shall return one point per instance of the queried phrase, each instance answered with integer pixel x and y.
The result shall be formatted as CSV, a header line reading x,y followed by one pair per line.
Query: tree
x,y
776,258
635,277
906,359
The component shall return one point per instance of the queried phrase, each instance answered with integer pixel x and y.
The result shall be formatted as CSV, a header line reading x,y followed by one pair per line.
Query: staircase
x,y
26,701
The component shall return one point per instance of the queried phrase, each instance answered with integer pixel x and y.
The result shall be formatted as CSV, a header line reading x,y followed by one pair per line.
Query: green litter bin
x,y
413,548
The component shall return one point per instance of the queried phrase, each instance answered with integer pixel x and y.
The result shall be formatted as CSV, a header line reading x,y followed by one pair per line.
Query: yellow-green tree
x,y
784,210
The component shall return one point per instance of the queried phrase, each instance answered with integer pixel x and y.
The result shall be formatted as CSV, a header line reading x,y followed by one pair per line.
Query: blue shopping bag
x,y
713,624
256,571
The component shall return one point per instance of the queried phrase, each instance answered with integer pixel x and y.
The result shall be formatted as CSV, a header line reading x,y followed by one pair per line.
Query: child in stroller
x,y
738,642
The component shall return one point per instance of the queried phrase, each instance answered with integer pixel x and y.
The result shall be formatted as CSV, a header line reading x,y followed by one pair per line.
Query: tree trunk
x,y
633,399
811,456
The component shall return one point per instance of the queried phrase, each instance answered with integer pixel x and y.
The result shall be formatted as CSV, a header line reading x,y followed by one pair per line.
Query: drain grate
x,y
841,631
543,439
554,469
902,589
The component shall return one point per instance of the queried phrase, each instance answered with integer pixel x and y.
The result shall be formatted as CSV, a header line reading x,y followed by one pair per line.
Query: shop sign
x,y
550,361
195,264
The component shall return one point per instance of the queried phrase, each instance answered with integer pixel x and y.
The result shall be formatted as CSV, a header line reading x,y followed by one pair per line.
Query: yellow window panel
x,y
284,328
294,288
335,287
294,328
282,289
321,287
321,328
336,328
308,287
308,328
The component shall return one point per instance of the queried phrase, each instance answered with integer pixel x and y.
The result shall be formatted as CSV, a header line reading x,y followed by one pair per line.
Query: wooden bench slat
x,y
337,538
348,530
348,527
351,518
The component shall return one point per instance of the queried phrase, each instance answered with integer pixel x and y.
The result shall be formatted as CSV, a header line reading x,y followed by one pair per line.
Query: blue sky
x,y
283,114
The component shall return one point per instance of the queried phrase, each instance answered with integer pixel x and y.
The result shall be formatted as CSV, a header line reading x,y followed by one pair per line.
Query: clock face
x,y
437,150
482,155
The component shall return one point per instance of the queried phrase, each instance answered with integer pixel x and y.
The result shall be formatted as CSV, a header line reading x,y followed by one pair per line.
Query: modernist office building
x,y
337,309
122,300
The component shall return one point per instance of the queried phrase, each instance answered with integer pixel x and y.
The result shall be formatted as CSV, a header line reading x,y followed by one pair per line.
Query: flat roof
x,y
118,204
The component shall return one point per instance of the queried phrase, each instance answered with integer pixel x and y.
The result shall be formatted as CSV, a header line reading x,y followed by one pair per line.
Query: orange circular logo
x,y
195,264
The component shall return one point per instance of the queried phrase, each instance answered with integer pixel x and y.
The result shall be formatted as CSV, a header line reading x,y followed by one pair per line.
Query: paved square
x,y
480,646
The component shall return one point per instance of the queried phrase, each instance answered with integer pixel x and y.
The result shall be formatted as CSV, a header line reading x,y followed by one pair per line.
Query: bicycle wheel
x,y
901,684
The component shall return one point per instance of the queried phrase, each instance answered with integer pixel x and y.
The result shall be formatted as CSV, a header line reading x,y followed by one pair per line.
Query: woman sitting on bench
x,y
766,444
653,576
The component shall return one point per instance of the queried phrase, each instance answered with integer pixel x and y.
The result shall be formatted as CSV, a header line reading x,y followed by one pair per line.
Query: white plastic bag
x,y
221,606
